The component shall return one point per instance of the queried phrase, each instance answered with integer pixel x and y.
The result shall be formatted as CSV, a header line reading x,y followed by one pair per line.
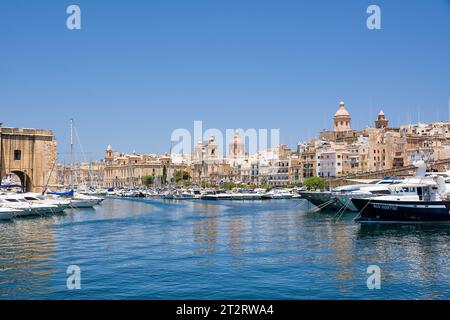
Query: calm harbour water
x,y
151,249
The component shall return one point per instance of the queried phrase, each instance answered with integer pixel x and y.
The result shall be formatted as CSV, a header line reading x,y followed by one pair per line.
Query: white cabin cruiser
x,y
425,200
17,201
382,187
77,200
243,194
277,194
83,201
61,204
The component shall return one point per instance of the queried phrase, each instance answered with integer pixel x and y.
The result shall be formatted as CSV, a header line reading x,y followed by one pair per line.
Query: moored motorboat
x,y
82,201
275,194
408,203
77,200
382,187
209,196
321,199
181,195
245,195
16,201
169,195
60,204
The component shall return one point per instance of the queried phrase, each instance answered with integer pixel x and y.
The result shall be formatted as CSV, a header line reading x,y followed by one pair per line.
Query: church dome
x,y
342,112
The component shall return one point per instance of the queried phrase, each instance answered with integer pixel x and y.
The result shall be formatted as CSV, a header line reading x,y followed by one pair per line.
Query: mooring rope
x,y
341,211
359,213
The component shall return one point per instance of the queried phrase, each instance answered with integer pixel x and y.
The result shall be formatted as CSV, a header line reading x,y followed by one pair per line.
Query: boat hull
x,y
276,197
6,215
246,197
321,198
402,211
209,197
26,212
345,200
79,204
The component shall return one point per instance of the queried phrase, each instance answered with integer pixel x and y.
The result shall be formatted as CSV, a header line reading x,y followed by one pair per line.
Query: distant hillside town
x,y
333,154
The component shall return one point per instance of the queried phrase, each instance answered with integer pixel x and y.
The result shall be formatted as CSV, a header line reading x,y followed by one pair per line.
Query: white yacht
x,y
418,200
179,195
243,194
93,192
277,194
17,201
77,200
61,204
345,196
216,195
83,201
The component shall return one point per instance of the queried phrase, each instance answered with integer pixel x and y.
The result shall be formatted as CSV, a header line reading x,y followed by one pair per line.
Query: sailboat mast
x,y
71,142
71,152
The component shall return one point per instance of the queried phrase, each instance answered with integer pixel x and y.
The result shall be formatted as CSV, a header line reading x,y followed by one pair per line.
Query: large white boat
x,y
181,194
216,195
17,201
382,187
243,194
61,204
83,201
418,200
76,200
340,197
91,191
277,194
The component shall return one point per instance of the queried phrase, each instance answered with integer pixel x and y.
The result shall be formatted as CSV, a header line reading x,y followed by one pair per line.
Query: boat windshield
x,y
380,192
31,199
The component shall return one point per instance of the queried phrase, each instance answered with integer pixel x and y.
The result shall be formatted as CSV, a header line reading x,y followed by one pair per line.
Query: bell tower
x,y
381,122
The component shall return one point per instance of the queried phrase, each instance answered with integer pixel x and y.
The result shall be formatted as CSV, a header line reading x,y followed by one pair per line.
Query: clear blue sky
x,y
139,69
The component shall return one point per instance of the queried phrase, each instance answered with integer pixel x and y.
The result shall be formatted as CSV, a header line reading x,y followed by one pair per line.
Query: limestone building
x,y
127,170
31,155
207,166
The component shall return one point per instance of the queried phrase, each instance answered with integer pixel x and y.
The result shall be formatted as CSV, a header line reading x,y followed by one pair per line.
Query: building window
x,y
17,154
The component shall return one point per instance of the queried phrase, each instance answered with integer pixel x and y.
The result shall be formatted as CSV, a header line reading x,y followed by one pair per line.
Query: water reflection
x,y
174,250
26,256
421,250
205,230
402,230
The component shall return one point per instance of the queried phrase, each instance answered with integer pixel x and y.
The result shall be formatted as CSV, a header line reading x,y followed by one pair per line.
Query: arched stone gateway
x,y
31,155
22,179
